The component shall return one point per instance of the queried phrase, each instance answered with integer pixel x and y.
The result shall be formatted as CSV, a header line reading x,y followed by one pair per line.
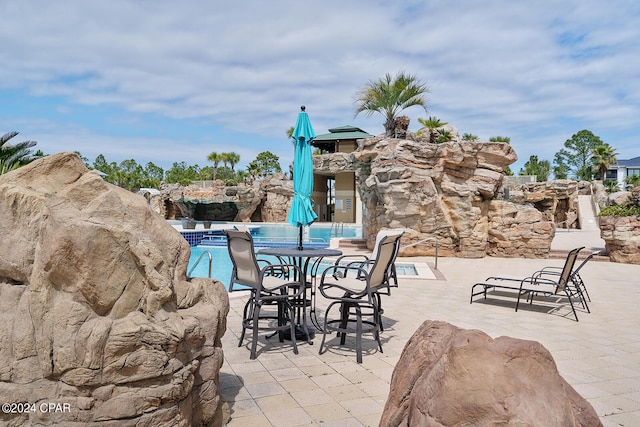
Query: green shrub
x,y
627,210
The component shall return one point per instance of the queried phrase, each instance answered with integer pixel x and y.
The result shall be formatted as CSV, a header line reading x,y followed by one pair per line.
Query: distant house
x,y
623,169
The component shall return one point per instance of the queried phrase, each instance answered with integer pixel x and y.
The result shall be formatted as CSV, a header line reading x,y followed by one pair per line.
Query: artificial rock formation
x,y
447,376
621,236
557,200
446,192
96,312
449,192
264,200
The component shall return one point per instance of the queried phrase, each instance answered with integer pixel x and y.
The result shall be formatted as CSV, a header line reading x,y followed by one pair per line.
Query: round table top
x,y
303,253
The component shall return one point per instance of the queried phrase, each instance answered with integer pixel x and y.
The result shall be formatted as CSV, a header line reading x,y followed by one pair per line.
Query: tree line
x,y
133,176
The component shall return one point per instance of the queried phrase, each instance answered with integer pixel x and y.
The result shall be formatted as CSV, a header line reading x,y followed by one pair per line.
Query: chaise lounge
x,y
540,282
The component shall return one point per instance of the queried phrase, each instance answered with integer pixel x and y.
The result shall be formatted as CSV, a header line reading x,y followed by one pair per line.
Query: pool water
x,y
273,235
222,266
263,235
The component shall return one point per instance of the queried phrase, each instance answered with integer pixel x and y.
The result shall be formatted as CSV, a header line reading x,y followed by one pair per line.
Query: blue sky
x,y
163,81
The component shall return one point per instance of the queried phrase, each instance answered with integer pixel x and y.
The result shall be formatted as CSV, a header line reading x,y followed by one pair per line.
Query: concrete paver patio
x,y
599,355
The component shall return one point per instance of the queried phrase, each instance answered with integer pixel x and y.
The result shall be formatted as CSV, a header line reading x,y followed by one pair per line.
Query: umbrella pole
x,y
300,238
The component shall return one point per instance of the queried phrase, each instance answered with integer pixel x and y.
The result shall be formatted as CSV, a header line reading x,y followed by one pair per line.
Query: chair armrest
x,y
332,276
341,257
285,284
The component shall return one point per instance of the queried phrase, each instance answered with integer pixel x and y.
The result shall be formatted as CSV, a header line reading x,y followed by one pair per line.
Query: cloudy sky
x,y
165,81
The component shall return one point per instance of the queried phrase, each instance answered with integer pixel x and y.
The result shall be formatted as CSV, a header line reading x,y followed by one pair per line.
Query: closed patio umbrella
x,y
301,212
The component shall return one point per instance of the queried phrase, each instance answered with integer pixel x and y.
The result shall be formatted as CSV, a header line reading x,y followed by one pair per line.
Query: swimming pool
x,y
222,266
270,234
264,234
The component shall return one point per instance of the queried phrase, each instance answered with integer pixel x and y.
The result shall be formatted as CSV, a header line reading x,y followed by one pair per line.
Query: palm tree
x,y
444,136
469,137
611,185
389,96
215,158
233,159
224,157
633,181
14,156
432,123
603,156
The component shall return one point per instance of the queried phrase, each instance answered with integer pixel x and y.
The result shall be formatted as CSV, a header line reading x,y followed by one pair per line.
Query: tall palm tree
x,y
432,123
215,158
389,96
233,159
12,156
603,156
224,157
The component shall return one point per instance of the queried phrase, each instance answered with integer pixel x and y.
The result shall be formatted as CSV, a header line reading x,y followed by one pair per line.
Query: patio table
x,y
308,259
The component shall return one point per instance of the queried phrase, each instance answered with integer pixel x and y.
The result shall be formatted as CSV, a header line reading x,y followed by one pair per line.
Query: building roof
x,y
342,133
631,162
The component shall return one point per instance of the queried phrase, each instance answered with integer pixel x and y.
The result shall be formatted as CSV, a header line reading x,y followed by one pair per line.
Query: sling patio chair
x,y
576,279
355,292
359,260
538,283
268,286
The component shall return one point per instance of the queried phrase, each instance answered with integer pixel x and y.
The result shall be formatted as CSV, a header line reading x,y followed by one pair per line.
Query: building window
x,y
633,171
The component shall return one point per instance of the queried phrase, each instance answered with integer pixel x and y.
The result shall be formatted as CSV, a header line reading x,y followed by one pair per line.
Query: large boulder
x,y
447,376
96,312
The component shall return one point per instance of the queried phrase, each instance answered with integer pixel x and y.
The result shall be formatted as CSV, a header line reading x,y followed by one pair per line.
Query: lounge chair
x,y
354,290
269,286
576,279
538,283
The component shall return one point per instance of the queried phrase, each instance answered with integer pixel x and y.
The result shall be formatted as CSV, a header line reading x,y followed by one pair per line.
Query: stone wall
x,y
96,311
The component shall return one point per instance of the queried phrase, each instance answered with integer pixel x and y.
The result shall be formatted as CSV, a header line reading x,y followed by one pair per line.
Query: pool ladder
x,y
337,229
193,267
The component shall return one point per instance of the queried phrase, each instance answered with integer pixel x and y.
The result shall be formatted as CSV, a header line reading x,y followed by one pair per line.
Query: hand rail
x,y
422,241
205,252
338,227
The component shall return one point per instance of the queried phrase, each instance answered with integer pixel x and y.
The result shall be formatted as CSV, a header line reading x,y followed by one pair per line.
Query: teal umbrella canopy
x,y
301,212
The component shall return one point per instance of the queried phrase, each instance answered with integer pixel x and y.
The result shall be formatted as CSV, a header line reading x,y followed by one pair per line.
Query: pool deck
x,y
599,355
